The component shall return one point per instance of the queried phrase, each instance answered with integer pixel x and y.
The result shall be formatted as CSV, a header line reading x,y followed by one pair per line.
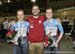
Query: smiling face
x,y
35,10
49,13
20,15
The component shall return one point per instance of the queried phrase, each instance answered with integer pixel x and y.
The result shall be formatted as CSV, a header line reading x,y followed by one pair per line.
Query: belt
x,y
23,37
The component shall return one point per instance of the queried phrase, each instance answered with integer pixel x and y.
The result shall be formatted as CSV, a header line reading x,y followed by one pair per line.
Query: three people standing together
x,y
33,31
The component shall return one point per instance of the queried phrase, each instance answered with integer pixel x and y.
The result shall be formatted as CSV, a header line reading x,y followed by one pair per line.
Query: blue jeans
x,y
23,49
51,49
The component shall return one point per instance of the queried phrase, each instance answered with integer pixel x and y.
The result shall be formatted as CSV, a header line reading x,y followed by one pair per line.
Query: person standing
x,y
5,24
20,41
4,29
73,35
36,31
11,23
52,26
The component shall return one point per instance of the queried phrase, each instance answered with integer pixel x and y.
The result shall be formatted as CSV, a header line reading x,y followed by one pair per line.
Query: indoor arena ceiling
x,y
12,5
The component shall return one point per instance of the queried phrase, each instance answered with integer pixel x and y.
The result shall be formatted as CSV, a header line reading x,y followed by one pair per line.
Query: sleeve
x,y
46,37
46,29
28,18
60,27
43,18
44,24
46,40
28,27
13,27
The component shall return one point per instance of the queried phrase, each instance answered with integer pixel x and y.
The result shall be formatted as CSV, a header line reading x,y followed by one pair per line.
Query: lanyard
x,y
20,25
21,28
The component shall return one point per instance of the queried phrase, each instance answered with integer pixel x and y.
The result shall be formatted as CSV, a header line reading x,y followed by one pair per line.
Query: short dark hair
x,y
12,19
36,5
49,8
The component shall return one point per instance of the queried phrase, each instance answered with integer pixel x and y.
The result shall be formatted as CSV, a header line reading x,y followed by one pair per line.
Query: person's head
x,y
35,10
5,19
49,13
12,19
20,14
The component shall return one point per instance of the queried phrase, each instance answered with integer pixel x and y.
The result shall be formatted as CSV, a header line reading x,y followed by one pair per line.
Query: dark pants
x,y
22,48
51,49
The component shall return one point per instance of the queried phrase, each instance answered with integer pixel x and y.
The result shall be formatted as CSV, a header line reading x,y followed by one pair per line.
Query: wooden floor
x,y
65,47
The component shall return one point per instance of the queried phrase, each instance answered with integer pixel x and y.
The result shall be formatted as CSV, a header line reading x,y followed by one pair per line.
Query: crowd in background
x,y
6,23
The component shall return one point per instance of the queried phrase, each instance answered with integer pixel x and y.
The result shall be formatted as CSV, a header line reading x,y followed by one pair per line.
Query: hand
x,y
45,45
15,43
49,34
49,42
29,42
56,44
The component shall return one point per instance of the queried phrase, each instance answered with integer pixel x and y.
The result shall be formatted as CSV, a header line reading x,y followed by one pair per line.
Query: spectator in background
x,y
5,28
2,33
11,23
65,24
66,19
5,24
73,35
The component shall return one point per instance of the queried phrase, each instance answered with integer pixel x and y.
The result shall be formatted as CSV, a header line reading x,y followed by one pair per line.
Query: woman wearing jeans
x,y
20,40
51,26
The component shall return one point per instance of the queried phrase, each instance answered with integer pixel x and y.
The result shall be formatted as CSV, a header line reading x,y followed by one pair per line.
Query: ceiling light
x,y
9,1
0,2
33,1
